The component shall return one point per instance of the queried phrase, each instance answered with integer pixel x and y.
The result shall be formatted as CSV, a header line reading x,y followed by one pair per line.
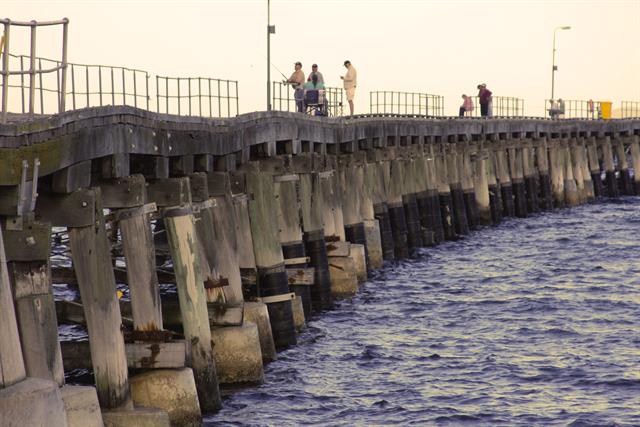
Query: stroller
x,y
316,102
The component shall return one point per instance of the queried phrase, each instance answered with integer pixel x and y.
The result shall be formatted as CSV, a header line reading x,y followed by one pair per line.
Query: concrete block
x,y
139,417
360,261
344,280
298,313
257,313
33,402
374,243
82,406
237,353
171,390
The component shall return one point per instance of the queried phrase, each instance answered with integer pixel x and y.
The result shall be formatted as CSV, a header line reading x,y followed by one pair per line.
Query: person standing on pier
x,y
297,81
350,81
485,99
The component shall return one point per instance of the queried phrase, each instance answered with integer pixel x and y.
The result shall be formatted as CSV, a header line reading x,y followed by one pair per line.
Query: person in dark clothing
x,y
485,99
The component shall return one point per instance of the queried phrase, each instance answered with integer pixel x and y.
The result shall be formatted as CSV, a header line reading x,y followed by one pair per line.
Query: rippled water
x,y
533,322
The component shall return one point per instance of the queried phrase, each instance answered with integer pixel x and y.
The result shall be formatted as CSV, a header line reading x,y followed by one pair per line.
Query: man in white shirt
x,y
350,81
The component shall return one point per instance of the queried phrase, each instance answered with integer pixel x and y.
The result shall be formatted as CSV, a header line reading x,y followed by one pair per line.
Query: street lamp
x,y
271,29
553,61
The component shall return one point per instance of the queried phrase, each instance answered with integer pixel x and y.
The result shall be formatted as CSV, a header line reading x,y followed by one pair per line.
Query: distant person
x,y
590,109
350,82
554,109
315,72
560,107
484,96
297,81
466,107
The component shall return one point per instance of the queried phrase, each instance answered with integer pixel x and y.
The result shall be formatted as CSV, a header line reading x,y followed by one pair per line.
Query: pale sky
x,y
437,47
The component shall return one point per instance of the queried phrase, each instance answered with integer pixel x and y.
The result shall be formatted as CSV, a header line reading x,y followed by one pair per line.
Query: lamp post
x,y
553,61
271,29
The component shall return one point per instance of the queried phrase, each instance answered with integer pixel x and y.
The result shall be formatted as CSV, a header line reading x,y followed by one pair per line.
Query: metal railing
x,y
90,85
630,109
413,103
574,109
282,98
201,96
501,106
60,68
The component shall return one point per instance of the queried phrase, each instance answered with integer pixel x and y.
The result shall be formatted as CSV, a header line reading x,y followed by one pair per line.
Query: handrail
x,y
501,106
575,109
282,98
630,109
414,103
33,23
219,95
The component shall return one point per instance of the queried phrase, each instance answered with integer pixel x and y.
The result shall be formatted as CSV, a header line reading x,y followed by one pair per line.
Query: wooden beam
x,y
127,192
72,178
67,210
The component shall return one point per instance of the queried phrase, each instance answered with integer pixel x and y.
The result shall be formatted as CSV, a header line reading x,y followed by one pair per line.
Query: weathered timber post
x,y
332,215
273,286
581,151
174,196
140,258
607,156
410,202
542,157
378,185
371,224
396,209
455,185
517,178
481,186
571,193
12,369
92,265
594,167
635,157
495,193
468,186
576,159
506,189
312,206
444,195
556,164
351,175
624,178
530,181
27,252
433,218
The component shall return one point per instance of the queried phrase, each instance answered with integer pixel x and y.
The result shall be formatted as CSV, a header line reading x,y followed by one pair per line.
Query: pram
x,y
316,102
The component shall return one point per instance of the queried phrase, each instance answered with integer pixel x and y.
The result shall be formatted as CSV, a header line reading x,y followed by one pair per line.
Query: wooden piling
x,y
444,196
375,172
576,161
468,186
12,369
92,265
187,258
273,287
581,156
396,209
624,178
571,193
542,158
607,156
594,167
635,158
481,186
506,188
495,194
410,203
556,172
27,248
530,178
457,195
517,178
140,258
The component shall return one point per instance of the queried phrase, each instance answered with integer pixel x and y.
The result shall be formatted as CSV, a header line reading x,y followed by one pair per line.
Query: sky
x,y
430,46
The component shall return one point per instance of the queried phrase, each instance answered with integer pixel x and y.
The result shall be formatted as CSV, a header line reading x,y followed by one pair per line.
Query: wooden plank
x,y
338,248
225,315
31,243
300,276
72,178
161,355
12,369
73,312
127,192
294,261
169,192
67,210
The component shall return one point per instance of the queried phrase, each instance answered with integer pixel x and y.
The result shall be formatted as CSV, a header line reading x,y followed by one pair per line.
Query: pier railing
x,y
630,109
501,106
575,109
413,103
197,96
32,71
282,98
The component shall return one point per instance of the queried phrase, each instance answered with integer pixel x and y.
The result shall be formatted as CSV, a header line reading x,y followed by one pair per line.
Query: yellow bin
x,y
605,109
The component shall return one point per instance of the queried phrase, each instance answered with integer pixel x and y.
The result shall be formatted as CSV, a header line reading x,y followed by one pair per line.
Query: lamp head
x,y
566,27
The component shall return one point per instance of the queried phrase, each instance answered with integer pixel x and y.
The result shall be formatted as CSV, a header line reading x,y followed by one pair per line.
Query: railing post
x,y
5,70
63,84
32,68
